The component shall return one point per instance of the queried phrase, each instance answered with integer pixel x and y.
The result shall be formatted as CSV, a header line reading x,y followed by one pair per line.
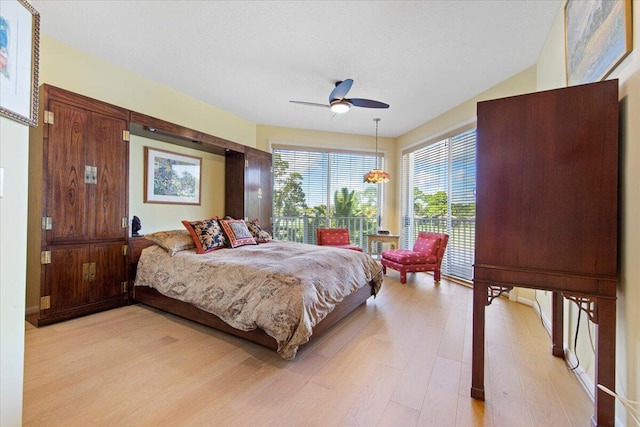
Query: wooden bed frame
x,y
153,298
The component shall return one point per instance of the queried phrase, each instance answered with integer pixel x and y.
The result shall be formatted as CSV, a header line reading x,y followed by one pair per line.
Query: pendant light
x,y
376,176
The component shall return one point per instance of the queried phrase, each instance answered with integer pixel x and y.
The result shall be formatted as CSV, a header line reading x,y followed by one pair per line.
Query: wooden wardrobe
x,y
78,197
547,214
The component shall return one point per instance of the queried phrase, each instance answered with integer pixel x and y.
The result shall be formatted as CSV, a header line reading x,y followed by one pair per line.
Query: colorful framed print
x,y
19,49
598,37
171,177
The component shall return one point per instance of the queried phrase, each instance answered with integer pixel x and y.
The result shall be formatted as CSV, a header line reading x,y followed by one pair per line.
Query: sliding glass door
x,y
438,195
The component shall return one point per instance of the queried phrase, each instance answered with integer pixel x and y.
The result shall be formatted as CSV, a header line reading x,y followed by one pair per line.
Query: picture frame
x,y
171,178
19,56
598,36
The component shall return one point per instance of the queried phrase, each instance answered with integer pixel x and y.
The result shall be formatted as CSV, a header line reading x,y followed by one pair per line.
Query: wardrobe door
x,y
110,272
109,199
64,281
66,154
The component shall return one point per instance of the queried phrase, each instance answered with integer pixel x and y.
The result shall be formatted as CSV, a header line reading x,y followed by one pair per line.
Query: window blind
x,y
319,188
438,195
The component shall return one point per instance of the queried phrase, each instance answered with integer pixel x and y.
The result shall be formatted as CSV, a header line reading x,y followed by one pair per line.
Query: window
x,y
438,188
315,189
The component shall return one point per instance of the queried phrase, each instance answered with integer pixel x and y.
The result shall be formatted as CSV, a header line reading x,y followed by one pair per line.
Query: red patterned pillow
x,y
237,232
207,234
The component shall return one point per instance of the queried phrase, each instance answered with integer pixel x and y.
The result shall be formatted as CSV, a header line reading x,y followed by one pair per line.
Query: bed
x,y
277,294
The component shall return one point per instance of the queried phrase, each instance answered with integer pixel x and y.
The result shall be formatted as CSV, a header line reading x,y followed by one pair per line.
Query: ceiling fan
x,y
339,104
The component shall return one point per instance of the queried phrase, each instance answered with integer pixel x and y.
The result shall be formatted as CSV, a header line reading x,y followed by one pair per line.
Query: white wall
x,y
14,157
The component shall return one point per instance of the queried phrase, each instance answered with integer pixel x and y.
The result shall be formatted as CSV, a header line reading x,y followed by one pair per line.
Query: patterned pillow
x,y
257,232
237,232
172,241
207,234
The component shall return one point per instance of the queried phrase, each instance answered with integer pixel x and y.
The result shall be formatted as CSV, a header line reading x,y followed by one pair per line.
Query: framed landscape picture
x,y
19,49
171,177
598,37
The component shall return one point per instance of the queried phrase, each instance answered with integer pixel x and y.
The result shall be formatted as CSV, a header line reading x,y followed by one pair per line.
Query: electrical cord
x,y
635,414
535,295
575,342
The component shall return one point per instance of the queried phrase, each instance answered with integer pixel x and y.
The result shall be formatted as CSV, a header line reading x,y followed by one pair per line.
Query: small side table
x,y
383,238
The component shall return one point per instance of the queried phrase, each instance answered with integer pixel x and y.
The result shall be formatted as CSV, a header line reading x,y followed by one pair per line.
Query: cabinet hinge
x,y
126,136
48,117
45,257
47,223
124,222
125,250
45,303
125,287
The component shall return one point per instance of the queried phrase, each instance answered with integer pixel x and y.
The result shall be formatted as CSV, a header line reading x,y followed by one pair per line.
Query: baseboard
x,y
32,310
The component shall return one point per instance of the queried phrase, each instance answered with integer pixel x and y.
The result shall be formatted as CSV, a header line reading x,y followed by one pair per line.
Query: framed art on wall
x,y
597,38
171,177
19,49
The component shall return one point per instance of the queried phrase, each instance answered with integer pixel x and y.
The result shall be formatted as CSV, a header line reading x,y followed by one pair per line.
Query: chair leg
x,y
384,269
403,276
436,276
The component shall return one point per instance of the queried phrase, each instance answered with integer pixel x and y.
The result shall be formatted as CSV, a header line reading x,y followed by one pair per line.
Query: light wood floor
x,y
403,360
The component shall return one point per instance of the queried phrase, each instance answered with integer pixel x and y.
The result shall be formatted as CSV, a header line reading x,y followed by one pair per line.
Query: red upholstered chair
x,y
338,237
426,255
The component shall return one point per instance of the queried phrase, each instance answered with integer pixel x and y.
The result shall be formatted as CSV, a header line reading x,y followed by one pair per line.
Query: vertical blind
x,y
438,191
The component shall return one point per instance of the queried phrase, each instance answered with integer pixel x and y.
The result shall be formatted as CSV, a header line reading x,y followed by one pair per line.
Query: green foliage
x,y
435,205
288,195
419,203
167,182
463,210
320,211
368,206
344,203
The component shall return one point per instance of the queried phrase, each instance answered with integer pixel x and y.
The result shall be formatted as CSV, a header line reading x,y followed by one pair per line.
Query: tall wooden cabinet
x,y
249,174
547,214
78,197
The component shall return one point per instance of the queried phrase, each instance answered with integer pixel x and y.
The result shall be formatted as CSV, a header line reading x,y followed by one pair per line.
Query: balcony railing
x,y
303,229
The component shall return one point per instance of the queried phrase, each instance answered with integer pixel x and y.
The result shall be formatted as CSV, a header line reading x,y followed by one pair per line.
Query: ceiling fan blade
x,y
341,89
312,104
367,103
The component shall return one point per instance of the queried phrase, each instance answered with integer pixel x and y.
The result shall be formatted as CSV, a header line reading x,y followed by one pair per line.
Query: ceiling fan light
x,y
340,107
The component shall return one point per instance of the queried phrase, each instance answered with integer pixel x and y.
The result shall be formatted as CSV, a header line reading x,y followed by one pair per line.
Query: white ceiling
x,y
251,58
